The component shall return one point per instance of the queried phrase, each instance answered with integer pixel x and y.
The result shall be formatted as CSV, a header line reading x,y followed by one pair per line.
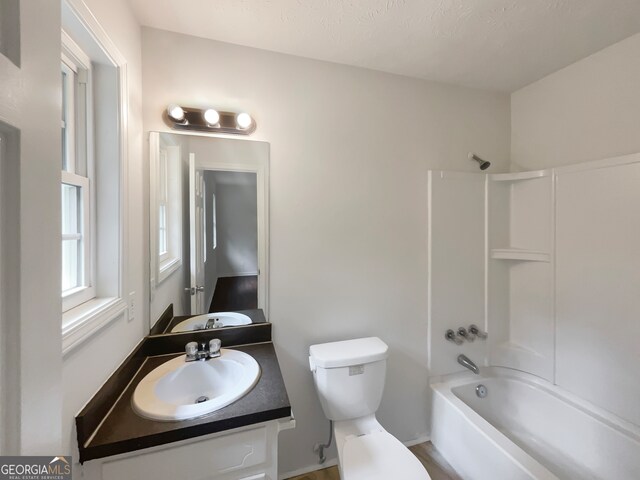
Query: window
x,y
94,89
214,222
77,247
166,201
163,196
205,220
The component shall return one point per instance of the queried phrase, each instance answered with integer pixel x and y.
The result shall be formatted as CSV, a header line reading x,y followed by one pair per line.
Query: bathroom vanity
x,y
238,441
182,405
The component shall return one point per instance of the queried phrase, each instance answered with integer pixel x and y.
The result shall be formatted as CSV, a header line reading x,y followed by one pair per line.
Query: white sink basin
x,y
179,390
223,319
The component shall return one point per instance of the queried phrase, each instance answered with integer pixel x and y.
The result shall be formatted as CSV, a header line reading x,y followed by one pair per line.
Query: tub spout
x,y
467,363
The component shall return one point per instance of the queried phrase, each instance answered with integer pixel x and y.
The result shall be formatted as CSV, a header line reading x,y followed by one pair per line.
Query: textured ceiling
x,y
489,44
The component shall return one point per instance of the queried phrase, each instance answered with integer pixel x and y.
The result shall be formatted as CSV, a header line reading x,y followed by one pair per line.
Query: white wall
x,y
30,101
86,368
350,150
586,111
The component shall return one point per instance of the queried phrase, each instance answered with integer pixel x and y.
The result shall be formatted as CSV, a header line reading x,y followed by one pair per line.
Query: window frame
x,y
68,103
79,162
214,222
110,208
162,153
164,218
73,297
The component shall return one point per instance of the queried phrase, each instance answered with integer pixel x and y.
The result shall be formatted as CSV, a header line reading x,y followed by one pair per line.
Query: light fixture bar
x,y
194,119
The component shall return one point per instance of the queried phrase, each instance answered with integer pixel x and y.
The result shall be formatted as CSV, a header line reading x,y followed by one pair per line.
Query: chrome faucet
x,y
453,337
464,334
202,352
212,323
467,363
474,330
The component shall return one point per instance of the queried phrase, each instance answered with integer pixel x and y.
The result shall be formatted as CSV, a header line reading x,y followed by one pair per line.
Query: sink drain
x,y
202,399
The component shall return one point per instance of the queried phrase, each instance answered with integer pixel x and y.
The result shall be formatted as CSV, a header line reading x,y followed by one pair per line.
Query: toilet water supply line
x,y
319,447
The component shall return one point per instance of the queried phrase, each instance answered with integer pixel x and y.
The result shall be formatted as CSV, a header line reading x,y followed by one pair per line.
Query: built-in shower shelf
x,y
512,177
520,254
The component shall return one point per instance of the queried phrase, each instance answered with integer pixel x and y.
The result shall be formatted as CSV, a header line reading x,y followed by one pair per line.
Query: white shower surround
x,y
568,408
526,428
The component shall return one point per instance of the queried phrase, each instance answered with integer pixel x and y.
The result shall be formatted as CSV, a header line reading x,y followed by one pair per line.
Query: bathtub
x,y
527,428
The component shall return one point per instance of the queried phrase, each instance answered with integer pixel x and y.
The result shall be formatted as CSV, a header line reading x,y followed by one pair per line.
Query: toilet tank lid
x,y
348,352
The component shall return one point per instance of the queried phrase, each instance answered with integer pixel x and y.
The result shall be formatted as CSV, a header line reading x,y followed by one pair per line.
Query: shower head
x,y
483,163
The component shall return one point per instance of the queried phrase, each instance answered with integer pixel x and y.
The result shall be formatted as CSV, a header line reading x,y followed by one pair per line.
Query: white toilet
x,y
349,377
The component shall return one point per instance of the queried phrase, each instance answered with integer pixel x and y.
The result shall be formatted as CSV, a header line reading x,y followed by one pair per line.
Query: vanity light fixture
x,y
243,120
209,120
212,117
176,113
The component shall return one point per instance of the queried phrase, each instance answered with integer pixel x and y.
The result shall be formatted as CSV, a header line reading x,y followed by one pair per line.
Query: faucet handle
x,y
214,347
474,330
452,337
464,334
191,349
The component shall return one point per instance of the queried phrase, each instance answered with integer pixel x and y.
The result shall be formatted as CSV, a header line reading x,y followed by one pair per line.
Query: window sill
x,y
82,322
167,267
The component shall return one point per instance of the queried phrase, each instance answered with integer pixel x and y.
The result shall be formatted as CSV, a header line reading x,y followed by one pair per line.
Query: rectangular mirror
x,y
209,231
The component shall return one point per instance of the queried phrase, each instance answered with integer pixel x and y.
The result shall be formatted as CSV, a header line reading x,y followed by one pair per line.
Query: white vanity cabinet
x,y
247,453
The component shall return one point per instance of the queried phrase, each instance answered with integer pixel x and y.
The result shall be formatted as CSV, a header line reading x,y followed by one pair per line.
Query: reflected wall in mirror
x,y
208,227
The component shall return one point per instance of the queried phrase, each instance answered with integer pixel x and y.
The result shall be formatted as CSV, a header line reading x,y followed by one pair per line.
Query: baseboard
x,y
334,461
417,441
238,274
311,468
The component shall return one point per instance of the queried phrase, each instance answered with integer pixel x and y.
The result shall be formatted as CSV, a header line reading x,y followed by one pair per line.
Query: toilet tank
x,y
349,376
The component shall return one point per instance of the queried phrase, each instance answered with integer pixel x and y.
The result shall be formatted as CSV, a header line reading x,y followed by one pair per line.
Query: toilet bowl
x,y
349,377
367,451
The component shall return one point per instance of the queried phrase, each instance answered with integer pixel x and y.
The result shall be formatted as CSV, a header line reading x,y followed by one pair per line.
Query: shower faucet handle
x,y
464,334
453,337
474,330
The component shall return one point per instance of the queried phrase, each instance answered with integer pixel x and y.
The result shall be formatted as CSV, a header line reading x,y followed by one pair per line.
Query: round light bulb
x,y
211,116
243,120
175,112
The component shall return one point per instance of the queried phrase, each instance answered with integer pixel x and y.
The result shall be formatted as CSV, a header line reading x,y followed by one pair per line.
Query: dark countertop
x,y
256,316
105,431
167,321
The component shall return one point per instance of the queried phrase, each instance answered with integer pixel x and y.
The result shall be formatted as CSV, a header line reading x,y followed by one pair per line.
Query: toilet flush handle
x,y
312,365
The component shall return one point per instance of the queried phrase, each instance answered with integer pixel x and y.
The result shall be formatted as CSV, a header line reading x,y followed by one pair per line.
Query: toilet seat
x,y
379,456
